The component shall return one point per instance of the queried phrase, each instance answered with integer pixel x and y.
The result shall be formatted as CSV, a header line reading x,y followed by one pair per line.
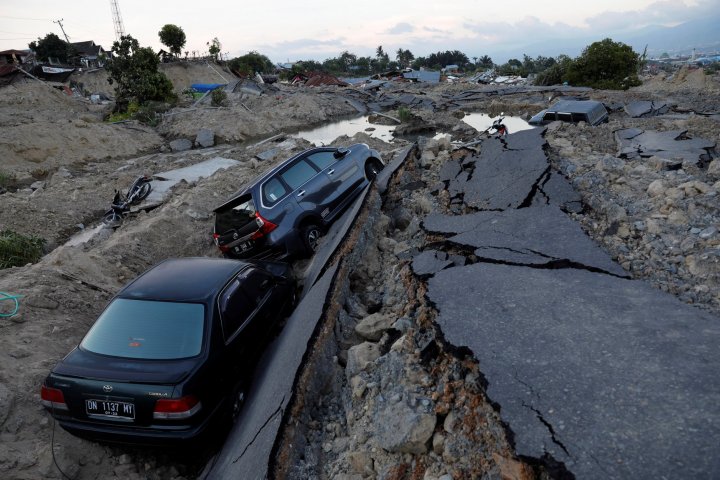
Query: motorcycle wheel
x,y
141,192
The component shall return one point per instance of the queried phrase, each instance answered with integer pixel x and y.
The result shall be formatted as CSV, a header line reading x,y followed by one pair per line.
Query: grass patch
x,y
17,250
404,114
6,179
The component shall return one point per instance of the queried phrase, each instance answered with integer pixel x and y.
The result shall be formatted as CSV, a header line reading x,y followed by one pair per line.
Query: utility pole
x,y
59,22
117,20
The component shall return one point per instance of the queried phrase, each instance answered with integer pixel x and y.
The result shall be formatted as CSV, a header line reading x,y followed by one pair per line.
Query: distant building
x,y
90,54
16,57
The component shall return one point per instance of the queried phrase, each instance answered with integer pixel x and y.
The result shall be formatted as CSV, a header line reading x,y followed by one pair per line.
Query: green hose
x,y
14,298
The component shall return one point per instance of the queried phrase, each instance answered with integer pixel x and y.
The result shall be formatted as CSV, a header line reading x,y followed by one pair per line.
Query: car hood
x,y
81,363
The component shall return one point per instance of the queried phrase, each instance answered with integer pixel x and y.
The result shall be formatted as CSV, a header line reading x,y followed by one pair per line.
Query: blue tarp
x,y
206,87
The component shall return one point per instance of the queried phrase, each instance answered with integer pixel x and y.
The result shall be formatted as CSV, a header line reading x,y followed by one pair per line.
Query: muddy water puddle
x,y
326,134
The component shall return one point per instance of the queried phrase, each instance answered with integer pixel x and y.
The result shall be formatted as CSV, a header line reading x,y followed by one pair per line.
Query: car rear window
x,y
148,330
235,216
273,190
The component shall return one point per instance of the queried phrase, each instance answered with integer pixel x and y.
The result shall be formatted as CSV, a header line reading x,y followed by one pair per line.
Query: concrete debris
x,y
675,144
642,109
205,138
180,145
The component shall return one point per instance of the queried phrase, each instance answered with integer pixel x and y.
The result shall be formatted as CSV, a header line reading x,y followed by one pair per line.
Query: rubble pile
x,y
658,212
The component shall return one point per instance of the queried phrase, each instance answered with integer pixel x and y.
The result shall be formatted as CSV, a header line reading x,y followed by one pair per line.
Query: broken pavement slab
x,y
670,145
164,181
503,178
644,108
610,377
540,236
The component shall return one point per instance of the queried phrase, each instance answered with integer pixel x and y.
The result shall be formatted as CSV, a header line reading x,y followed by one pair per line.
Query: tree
x,y
52,46
214,47
172,37
555,74
404,57
251,63
134,71
485,62
605,64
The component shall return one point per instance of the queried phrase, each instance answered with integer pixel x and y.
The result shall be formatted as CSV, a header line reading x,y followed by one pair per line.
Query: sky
x,y
294,30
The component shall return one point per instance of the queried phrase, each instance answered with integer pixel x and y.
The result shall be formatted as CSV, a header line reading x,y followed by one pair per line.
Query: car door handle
x,y
301,193
331,171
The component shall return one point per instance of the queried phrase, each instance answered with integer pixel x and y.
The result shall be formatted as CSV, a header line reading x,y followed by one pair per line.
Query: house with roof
x,y
90,54
16,57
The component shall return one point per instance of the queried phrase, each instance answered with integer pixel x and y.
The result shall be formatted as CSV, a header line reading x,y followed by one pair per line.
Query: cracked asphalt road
x,y
605,375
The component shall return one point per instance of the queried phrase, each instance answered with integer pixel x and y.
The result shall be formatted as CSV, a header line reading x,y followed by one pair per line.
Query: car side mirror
x,y
340,153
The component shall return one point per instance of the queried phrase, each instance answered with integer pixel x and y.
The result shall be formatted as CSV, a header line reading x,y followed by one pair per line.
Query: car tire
x,y
372,168
310,237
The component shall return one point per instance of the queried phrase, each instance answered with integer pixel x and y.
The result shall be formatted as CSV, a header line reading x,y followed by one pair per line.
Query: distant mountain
x,y
702,34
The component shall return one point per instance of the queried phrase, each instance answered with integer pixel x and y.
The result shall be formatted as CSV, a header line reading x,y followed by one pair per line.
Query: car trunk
x,y
116,390
235,225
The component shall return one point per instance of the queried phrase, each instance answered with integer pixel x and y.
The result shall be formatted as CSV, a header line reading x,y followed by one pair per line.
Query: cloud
x,y
400,28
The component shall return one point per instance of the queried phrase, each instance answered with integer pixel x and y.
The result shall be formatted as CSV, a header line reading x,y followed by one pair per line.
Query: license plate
x,y
106,408
243,247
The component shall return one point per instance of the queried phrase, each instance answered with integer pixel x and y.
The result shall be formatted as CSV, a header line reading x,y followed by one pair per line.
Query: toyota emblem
x,y
107,388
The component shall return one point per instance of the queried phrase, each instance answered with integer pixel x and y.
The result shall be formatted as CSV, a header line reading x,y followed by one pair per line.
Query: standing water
x,y
326,134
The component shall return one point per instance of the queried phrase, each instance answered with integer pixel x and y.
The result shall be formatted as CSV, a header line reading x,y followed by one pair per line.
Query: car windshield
x,y
147,329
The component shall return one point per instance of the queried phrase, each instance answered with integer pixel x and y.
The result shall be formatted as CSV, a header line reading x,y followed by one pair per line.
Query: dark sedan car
x,y
171,353
285,211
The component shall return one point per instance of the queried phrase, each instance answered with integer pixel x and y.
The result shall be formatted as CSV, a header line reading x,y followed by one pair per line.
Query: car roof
x,y
575,106
196,279
261,178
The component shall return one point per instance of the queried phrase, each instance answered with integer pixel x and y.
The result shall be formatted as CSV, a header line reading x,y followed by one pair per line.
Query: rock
x,y
361,462
205,138
694,188
358,386
180,145
511,469
713,169
39,185
41,301
708,233
438,443
656,188
400,428
6,402
611,164
372,327
677,218
360,357
663,164
653,226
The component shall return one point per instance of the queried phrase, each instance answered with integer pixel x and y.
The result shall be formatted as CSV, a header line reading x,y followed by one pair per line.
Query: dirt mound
x,y
44,129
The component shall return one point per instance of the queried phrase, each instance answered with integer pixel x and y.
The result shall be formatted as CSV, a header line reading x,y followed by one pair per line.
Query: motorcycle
x,y
120,206
498,128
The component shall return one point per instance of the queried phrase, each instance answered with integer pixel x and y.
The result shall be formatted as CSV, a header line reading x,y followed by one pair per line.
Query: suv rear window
x,y
235,216
147,329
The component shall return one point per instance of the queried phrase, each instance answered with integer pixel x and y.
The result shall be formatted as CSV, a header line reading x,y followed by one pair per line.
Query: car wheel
x,y
311,237
372,168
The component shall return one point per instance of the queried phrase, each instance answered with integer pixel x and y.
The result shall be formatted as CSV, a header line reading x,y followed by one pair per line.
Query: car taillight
x,y
53,398
223,248
184,407
265,226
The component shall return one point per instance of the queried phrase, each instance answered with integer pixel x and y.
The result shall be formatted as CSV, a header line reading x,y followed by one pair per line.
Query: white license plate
x,y
107,408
